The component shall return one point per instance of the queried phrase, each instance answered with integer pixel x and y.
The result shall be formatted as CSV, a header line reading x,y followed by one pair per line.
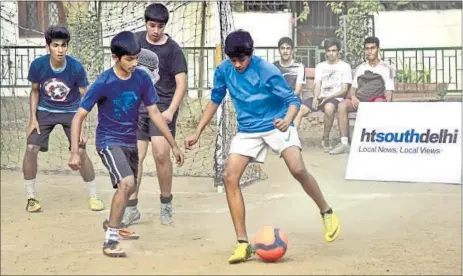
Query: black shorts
x,y
308,102
120,162
146,128
47,122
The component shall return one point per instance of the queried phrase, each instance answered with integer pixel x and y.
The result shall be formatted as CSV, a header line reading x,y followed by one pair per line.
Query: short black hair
x,y
125,43
285,40
327,43
371,39
157,12
239,44
57,32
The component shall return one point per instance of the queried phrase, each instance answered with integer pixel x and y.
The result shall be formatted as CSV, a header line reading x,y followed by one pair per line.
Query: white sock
x,y
344,140
91,188
131,208
111,234
30,187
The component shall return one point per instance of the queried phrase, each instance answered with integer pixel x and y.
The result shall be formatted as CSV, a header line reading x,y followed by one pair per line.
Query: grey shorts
x,y
47,122
308,102
120,162
146,128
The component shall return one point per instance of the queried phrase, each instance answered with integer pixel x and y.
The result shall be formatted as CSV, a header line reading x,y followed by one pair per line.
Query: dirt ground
x,y
387,228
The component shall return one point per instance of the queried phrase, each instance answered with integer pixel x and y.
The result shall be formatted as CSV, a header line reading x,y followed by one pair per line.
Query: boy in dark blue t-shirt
x,y
58,82
118,92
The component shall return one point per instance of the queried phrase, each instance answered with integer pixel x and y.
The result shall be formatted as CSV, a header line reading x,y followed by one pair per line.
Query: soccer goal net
x,y
199,28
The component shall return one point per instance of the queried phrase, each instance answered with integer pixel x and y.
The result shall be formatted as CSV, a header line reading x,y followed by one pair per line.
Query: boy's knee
x,y
330,109
230,178
298,171
162,157
342,106
32,149
127,185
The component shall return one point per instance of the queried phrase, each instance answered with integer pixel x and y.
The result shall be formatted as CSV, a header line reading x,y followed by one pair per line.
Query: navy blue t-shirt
x,y
59,90
118,103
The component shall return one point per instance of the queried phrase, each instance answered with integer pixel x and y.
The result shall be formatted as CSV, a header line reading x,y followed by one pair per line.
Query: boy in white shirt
x,y
332,79
373,82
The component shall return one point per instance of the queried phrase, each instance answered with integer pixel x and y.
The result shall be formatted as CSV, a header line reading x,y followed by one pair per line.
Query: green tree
x,y
354,26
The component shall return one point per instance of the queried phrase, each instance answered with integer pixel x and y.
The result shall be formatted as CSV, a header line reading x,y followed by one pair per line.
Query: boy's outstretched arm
x,y
76,128
211,109
157,119
217,95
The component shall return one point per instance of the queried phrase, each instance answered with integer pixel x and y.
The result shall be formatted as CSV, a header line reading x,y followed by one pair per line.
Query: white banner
x,y
406,141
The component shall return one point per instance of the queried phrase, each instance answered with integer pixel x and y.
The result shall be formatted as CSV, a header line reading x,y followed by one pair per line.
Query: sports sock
x,y
91,185
111,234
329,212
132,202
29,184
344,140
166,200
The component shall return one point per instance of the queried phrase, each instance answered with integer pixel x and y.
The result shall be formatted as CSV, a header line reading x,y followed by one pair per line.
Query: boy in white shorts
x,y
265,107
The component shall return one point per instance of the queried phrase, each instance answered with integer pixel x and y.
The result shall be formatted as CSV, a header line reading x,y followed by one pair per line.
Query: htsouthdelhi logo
x,y
416,142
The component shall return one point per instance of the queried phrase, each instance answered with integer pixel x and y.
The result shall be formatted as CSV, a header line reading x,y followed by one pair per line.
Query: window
x,y
260,6
36,16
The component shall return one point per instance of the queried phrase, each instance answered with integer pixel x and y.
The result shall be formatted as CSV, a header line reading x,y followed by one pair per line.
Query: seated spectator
x,y
373,82
332,79
292,71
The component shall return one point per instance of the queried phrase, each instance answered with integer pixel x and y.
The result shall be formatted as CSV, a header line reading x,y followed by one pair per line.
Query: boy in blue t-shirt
x,y
266,107
118,92
58,82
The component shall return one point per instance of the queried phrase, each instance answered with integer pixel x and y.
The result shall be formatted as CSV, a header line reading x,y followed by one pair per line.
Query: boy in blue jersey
x,y
265,107
119,92
58,83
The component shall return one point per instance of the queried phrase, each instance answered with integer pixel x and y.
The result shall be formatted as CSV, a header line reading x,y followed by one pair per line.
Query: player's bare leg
x,y
344,108
303,112
294,161
329,112
132,214
30,173
88,175
164,169
235,166
124,189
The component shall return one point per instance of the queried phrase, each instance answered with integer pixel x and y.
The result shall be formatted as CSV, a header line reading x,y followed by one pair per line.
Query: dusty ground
x,y
387,228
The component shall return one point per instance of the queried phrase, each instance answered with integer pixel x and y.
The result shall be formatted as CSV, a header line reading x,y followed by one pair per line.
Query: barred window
x,y
35,17
260,6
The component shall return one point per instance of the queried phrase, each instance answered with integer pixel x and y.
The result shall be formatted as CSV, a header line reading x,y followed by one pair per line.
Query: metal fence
x,y
416,68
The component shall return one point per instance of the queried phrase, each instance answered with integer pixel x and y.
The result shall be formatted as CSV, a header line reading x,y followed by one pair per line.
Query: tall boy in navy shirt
x,y
119,92
265,106
58,82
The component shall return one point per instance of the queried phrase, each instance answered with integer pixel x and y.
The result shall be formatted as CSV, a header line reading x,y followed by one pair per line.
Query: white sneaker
x,y
166,213
340,148
326,145
131,215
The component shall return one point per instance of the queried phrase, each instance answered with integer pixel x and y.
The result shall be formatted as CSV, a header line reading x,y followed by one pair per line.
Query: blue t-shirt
x,y
118,103
260,94
59,90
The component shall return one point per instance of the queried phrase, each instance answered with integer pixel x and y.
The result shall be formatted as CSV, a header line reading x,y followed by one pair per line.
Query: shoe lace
x,y
32,201
166,209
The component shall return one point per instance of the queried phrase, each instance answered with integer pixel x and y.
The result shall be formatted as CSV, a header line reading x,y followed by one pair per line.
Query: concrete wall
x,y
417,29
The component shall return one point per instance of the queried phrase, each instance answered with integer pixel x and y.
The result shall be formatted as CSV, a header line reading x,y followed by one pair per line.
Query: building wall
x,y
417,29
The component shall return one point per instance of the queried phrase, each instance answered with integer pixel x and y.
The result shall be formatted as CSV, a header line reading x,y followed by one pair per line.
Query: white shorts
x,y
255,145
